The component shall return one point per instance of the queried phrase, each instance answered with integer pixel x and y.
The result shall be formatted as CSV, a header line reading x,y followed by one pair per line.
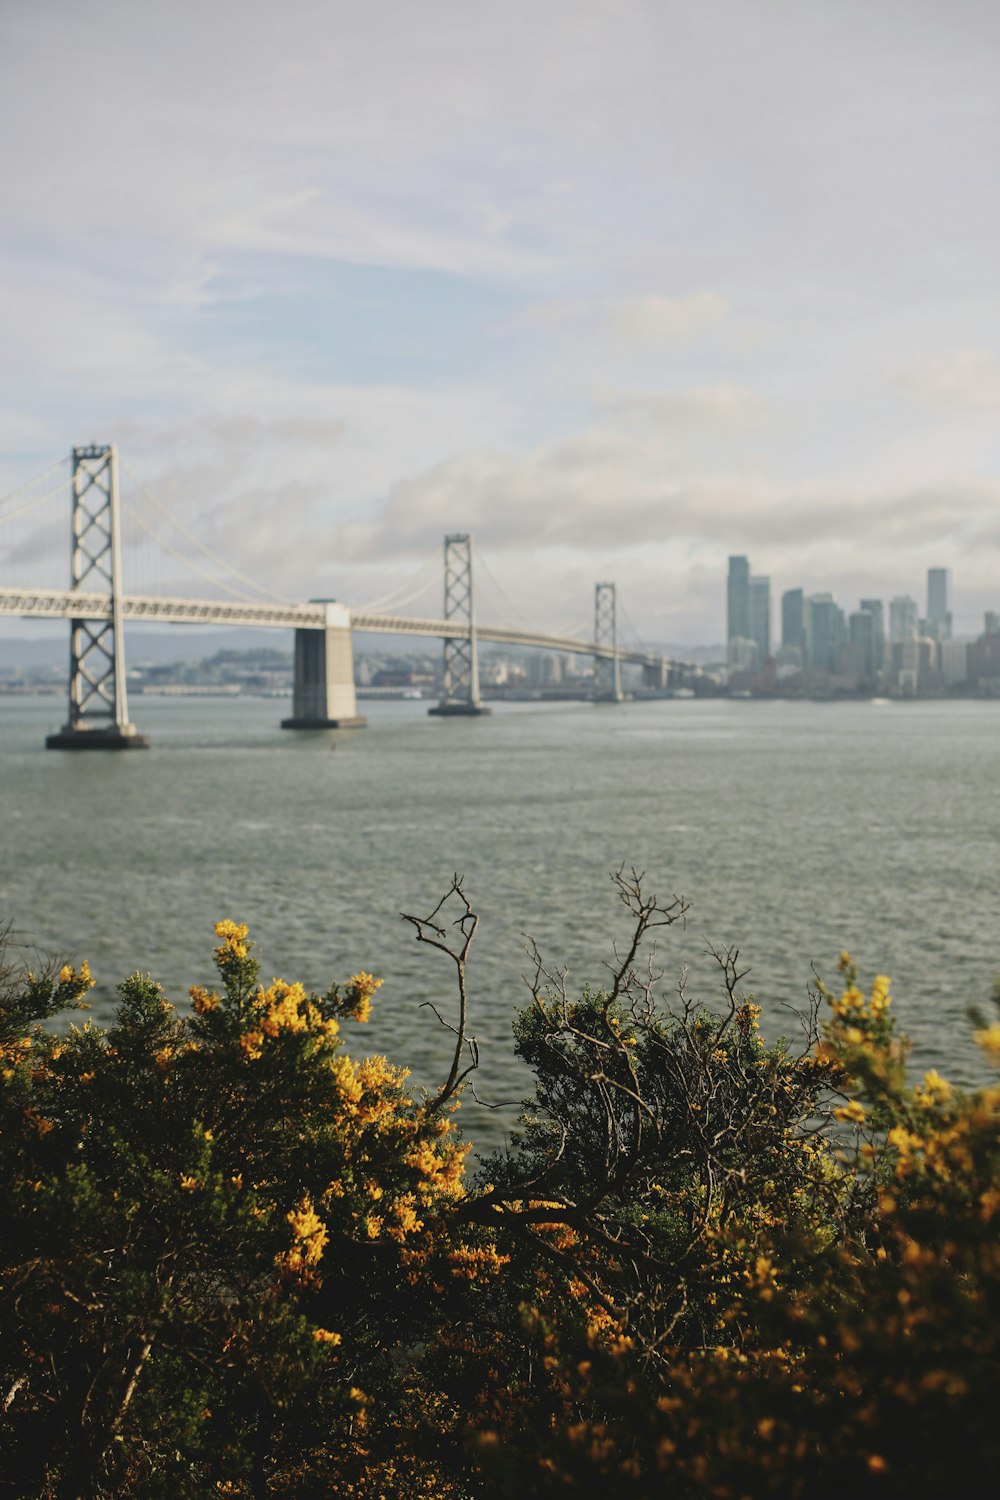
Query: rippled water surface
x,y
793,829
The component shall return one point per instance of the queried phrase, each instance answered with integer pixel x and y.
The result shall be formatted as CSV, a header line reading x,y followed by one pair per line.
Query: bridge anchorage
x,y
98,706
460,691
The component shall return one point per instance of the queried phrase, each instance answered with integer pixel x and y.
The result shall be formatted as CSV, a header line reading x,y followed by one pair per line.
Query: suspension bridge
x,y
102,533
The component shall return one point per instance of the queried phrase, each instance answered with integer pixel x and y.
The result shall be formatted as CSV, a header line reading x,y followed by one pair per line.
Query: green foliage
x,y
212,1226
234,1261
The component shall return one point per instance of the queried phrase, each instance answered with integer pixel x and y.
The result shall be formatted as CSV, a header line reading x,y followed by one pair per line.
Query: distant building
x,y
984,658
954,662
938,613
738,600
904,619
793,621
826,632
991,623
743,655
760,616
876,609
865,660
915,666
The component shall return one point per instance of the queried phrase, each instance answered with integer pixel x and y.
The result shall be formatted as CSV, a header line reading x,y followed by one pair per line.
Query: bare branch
x,y
429,930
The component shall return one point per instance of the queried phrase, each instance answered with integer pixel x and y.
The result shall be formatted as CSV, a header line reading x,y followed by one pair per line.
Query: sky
x,y
621,287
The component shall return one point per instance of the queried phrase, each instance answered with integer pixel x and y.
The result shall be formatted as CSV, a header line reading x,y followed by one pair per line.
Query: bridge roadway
x,y
65,604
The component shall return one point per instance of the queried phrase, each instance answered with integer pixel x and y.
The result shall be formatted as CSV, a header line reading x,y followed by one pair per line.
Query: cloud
x,y
652,321
617,194
962,380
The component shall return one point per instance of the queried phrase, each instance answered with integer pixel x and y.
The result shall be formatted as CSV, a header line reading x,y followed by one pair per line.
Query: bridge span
x,y
96,607
66,604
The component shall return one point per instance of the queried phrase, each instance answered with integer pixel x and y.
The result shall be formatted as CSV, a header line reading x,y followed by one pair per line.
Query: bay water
x,y
794,829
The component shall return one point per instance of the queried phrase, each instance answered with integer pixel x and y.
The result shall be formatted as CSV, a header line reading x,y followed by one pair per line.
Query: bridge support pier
x,y
323,695
98,707
656,675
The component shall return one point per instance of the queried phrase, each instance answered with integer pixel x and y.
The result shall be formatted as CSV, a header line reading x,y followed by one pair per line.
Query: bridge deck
x,y
65,604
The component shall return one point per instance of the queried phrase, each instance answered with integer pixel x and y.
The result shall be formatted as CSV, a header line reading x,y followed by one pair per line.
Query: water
x,y
794,829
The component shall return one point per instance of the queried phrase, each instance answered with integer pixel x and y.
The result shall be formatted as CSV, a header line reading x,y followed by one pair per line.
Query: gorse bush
x,y
235,1260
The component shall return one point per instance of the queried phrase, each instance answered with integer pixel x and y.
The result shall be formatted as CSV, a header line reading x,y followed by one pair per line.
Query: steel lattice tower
x,y
98,705
607,671
460,691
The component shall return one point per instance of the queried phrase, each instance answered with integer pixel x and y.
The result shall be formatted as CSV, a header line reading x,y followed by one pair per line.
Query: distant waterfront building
x,y
793,621
984,662
875,608
954,662
938,588
743,655
904,618
991,623
938,613
760,616
915,665
866,662
738,600
826,632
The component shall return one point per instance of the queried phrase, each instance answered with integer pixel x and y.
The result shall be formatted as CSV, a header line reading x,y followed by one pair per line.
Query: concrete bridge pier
x,y
323,695
656,675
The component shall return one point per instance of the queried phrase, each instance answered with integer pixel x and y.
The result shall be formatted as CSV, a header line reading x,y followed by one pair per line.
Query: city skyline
x,y
721,280
937,612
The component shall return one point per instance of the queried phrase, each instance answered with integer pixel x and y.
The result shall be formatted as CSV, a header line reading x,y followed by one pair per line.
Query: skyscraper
x,y
863,648
938,614
877,611
903,618
760,616
793,620
738,600
826,631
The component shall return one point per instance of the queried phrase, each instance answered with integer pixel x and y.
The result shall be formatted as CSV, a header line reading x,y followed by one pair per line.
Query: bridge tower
x,y
98,706
607,670
460,693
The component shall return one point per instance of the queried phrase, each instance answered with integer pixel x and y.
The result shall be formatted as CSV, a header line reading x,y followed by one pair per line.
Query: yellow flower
x,y
934,1090
852,1111
324,1336
252,1044
80,978
234,936
989,1040
362,986
310,1236
203,1000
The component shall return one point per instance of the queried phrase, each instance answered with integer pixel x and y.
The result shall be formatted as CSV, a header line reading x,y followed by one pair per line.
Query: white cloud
x,y
649,321
649,182
962,380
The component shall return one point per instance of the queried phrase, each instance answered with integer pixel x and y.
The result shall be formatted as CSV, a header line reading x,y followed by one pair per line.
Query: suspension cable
x,y
192,566
515,610
30,484
205,551
400,596
30,504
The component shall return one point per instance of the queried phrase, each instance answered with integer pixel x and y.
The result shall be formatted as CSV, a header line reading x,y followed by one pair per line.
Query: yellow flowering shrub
x,y
237,1260
207,1179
